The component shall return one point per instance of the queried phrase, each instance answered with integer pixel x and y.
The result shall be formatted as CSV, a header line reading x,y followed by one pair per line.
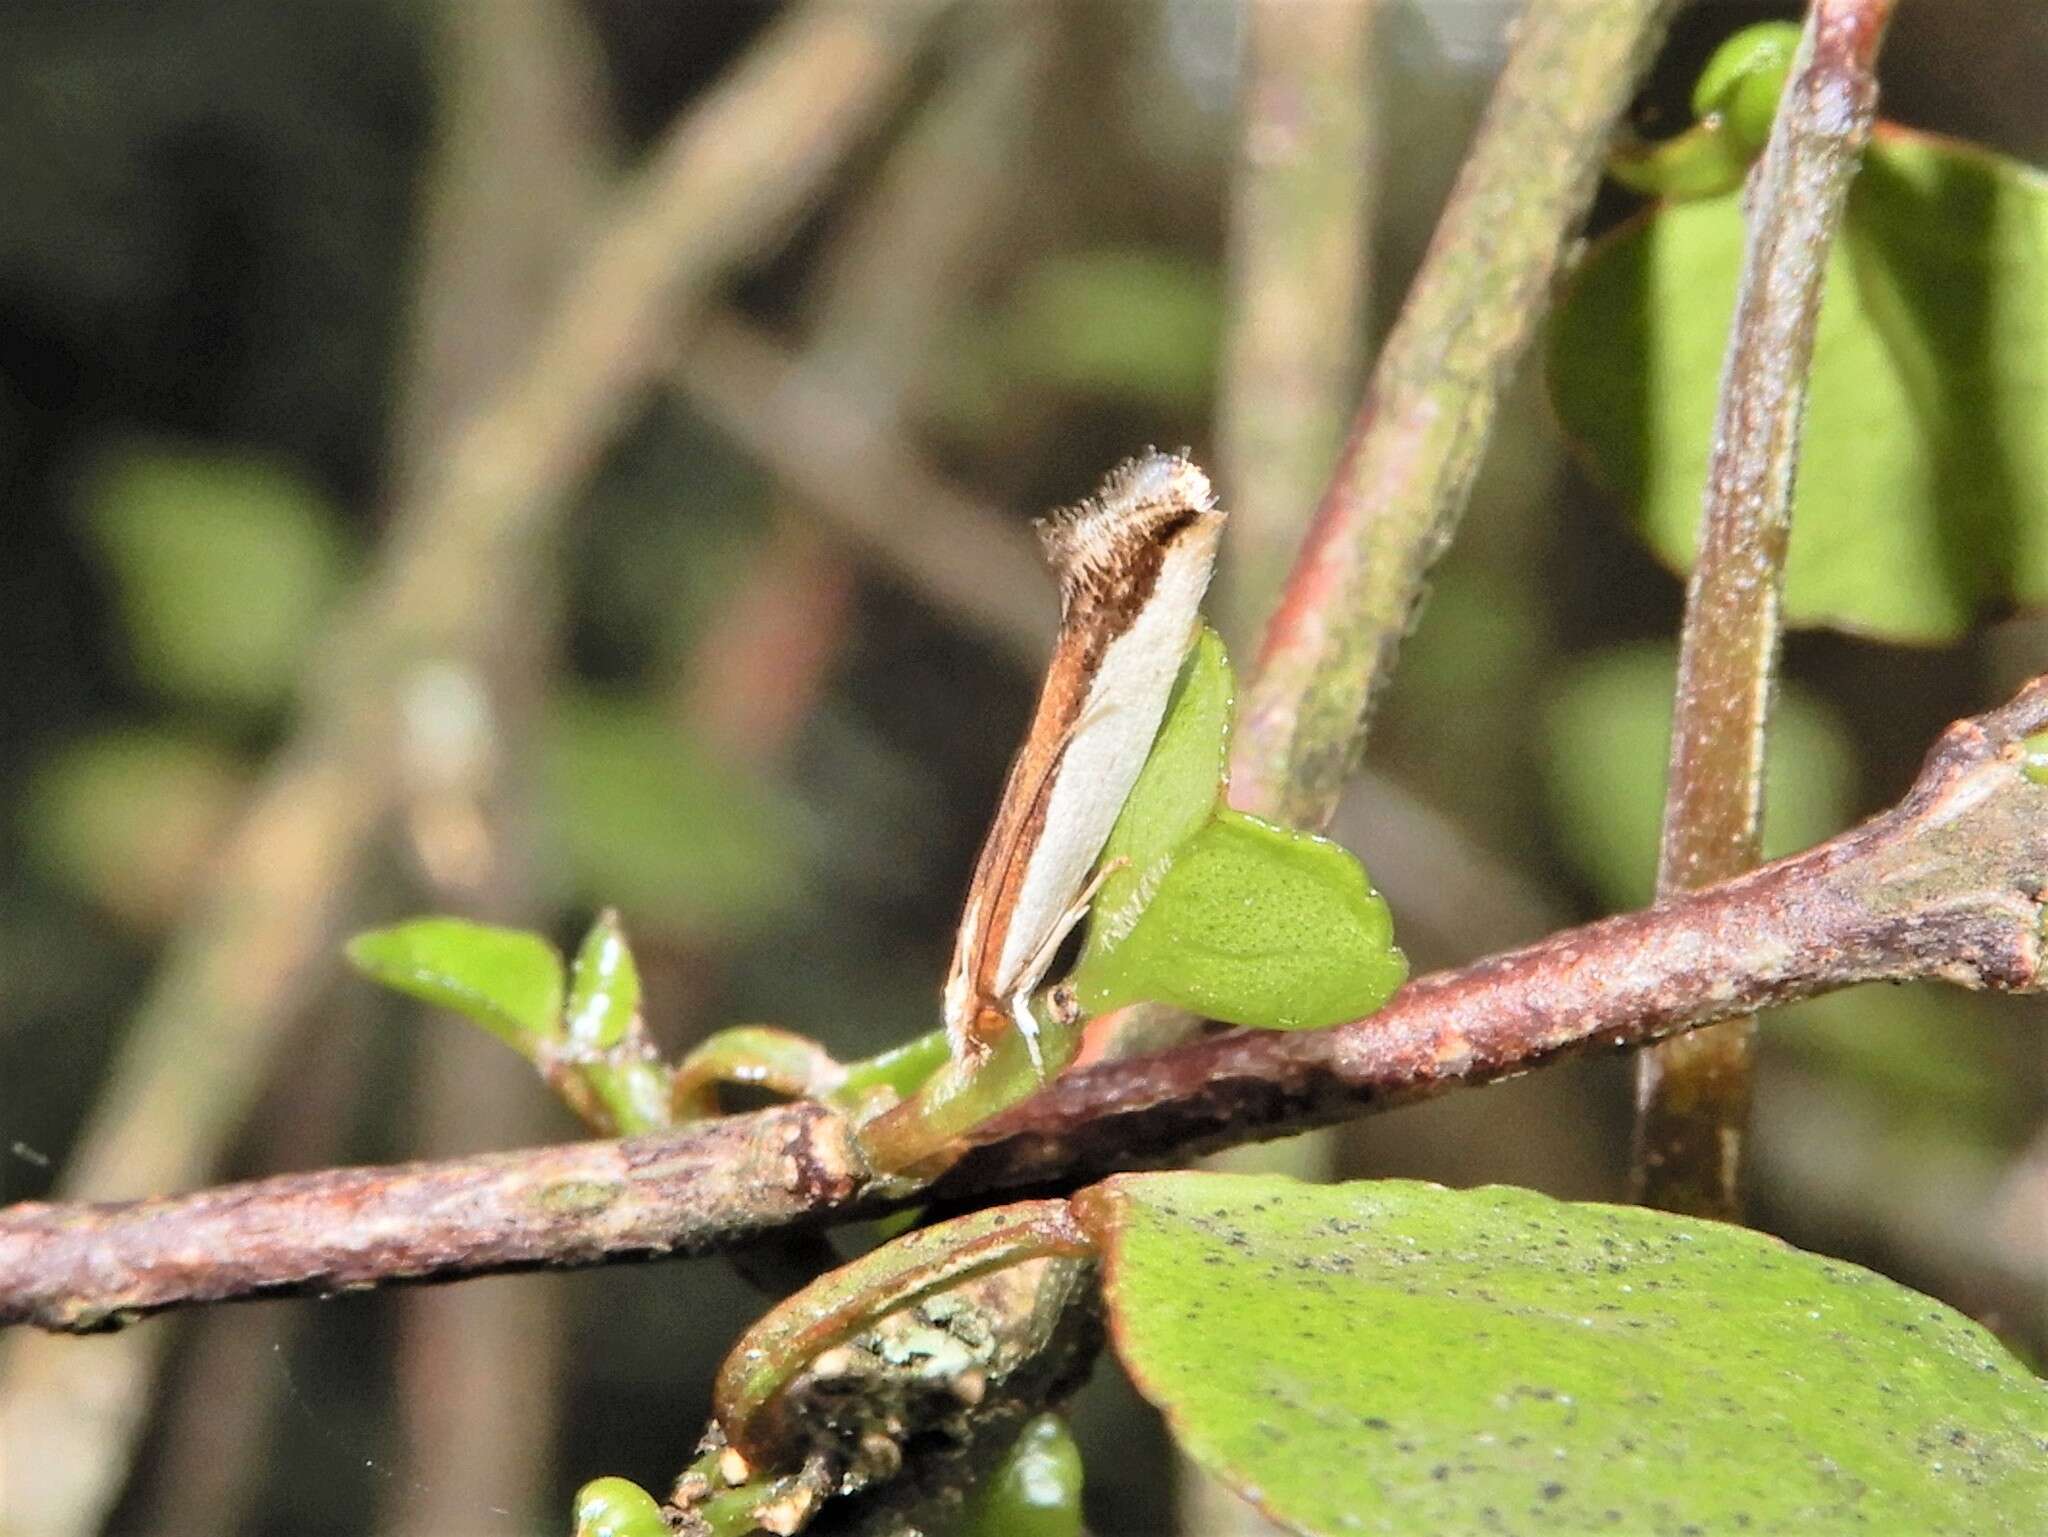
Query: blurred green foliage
x,y
1125,324
1607,746
224,567
127,815
645,818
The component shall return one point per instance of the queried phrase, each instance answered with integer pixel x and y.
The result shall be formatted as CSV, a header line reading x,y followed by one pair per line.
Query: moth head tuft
x,y
1153,500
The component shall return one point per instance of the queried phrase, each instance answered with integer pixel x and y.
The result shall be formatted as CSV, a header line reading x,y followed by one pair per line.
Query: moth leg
x,y
1027,1026
1041,961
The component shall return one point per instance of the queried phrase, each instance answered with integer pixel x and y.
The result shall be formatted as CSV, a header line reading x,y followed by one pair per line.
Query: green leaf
x,y
224,567
1397,1357
604,987
1036,1492
1254,925
1176,793
1922,497
507,980
647,819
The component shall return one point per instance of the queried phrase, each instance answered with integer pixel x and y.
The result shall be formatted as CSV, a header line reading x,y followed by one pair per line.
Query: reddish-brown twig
x,y
1950,884
1692,1093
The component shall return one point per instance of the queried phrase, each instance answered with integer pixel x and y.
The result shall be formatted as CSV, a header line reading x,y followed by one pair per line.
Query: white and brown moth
x,y
1133,562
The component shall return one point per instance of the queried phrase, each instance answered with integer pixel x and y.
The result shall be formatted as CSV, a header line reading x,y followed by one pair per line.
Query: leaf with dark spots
x,y
1636,1372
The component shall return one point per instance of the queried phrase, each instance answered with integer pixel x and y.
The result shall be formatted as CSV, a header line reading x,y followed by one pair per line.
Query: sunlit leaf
x,y
1396,1357
507,980
1176,793
604,987
1922,497
1254,925
224,568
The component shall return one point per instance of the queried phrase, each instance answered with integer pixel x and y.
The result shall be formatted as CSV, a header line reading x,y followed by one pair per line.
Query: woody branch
x,y
1950,884
1692,1092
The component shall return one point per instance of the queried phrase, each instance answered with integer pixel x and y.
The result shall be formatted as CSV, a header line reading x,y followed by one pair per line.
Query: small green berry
x,y
2034,757
617,1507
1037,1490
1744,80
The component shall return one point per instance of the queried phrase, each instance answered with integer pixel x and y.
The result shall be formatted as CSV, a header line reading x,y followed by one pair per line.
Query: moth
x,y
1133,562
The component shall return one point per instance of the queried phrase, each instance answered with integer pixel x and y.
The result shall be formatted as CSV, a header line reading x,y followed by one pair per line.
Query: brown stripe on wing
x,y
1107,553
1020,820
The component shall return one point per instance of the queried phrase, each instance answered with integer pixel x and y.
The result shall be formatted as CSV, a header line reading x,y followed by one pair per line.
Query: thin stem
x,y
1692,1094
840,1305
1407,472
1299,243
1945,886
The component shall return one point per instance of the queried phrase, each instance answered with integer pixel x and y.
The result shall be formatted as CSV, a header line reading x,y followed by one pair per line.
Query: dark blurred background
x,y
259,262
